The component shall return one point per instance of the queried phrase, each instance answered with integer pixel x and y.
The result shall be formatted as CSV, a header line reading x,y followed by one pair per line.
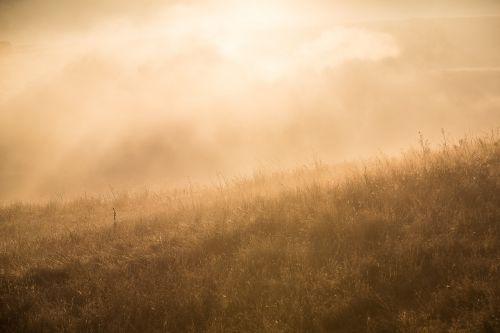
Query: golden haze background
x,y
129,94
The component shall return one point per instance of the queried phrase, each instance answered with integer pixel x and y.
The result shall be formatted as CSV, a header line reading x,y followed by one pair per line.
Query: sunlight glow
x,y
267,41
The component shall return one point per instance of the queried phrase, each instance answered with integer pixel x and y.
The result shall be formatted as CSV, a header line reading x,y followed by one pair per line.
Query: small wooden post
x,y
114,217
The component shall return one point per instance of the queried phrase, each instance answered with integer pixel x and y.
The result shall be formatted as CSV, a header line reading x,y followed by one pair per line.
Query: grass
x,y
396,245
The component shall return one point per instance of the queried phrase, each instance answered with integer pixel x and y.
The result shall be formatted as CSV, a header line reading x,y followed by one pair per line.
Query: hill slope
x,y
409,245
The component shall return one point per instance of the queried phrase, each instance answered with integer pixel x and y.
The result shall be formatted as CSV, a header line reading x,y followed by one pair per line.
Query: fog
x,y
126,95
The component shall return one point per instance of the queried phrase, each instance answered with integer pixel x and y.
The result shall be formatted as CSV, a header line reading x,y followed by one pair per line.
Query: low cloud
x,y
191,93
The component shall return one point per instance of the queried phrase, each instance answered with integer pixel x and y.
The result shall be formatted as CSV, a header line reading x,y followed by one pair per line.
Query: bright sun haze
x,y
150,95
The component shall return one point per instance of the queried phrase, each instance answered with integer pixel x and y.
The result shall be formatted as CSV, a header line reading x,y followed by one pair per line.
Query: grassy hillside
x,y
394,245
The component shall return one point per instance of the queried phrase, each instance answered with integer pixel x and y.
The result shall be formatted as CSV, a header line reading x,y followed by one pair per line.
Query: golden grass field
x,y
408,244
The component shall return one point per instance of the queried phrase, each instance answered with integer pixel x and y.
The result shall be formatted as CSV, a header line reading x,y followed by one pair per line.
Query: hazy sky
x,y
122,93
36,15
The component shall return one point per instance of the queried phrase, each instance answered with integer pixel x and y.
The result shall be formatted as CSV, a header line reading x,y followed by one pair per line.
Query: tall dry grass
x,y
393,245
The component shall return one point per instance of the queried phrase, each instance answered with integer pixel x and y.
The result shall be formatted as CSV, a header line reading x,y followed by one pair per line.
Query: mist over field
x,y
150,94
250,166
